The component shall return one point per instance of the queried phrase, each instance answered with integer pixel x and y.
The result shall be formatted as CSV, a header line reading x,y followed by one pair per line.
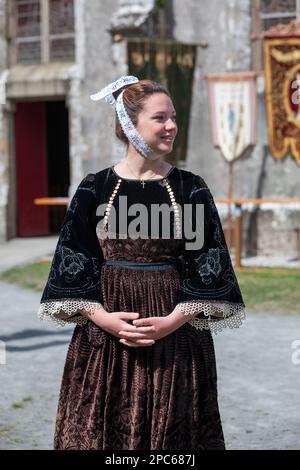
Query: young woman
x,y
140,372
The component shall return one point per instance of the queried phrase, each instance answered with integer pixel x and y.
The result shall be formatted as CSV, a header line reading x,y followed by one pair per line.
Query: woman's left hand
x,y
160,327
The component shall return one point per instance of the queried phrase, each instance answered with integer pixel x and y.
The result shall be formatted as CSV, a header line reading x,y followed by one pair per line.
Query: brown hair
x,y
134,98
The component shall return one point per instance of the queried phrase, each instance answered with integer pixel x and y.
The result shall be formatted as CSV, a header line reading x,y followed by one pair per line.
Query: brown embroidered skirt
x,y
161,397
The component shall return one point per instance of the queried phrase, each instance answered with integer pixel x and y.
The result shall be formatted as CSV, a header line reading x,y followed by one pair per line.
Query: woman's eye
x,y
161,118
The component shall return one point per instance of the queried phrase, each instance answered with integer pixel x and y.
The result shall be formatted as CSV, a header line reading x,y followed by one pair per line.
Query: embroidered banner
x,y
282,74
232,99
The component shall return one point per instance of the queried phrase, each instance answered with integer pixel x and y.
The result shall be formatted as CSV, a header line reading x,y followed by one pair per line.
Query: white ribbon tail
x,y
97,96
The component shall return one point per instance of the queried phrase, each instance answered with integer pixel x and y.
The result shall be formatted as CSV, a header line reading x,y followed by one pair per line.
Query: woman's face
x,y
157,123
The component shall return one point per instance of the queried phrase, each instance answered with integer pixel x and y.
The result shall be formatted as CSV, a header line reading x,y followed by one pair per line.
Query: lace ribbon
x,y
66,311
225,314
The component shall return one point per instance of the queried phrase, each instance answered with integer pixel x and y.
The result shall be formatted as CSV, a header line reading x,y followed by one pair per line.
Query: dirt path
x,y
259,385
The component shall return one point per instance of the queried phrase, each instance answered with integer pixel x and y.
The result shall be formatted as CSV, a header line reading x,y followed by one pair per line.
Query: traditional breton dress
x,y
159,397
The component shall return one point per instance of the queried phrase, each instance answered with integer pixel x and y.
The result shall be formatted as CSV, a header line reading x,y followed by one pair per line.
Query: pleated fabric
x,y
162,397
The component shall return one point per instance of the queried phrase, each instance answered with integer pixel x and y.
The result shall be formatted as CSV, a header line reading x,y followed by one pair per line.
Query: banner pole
x,y
229,213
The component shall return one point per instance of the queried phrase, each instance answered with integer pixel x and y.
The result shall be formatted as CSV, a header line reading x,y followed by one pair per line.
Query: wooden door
x,y
31,168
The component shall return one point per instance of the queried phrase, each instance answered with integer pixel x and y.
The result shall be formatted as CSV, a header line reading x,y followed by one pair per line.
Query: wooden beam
x,y
52,201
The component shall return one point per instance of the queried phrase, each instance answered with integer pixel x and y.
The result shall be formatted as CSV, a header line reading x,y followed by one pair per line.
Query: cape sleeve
x,y
209,290
74,279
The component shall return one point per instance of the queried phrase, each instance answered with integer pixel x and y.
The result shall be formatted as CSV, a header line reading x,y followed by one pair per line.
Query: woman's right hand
x,y
114,322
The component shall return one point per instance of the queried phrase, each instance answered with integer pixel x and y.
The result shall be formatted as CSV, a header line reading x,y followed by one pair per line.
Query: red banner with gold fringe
x,y
282,73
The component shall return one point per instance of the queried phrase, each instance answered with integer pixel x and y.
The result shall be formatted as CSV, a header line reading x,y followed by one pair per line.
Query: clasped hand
x,y
142,331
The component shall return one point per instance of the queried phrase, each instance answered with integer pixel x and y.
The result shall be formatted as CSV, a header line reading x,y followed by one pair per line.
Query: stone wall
x,y
4,164
103,62
226,26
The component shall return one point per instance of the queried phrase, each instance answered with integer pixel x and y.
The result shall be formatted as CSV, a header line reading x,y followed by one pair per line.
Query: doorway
x,y
42,165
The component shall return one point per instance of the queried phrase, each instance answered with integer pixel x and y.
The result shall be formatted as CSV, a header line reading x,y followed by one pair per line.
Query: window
x,y
41,31
273,12
268,13
61,14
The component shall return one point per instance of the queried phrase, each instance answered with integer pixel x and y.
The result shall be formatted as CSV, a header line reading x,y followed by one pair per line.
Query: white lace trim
x,y
66,311
225,314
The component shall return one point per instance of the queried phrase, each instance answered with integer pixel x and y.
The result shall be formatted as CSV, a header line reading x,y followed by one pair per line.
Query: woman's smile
x,y
157,123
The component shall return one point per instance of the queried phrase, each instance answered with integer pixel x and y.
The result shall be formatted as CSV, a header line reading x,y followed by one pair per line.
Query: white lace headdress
x,y
127,125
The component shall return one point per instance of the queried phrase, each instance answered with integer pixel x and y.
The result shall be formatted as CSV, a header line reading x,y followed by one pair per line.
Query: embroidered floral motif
x,y
208,265
72,263
210,288
208,277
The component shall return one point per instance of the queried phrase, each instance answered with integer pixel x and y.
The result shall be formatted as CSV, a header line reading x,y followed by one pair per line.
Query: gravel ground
x,y
258,383
20,251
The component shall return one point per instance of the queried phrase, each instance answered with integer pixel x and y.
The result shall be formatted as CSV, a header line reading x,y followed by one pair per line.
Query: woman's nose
x,y
170,124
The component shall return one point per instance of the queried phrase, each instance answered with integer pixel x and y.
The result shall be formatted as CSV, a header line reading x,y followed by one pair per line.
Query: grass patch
x,y
17,405
6,430
31,276
27,399
268,289
21,404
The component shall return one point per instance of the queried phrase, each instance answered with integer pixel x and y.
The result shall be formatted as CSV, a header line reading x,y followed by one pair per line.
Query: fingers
x,y
134,329
138,343
128,315
142,322
128,327
133,335
144,329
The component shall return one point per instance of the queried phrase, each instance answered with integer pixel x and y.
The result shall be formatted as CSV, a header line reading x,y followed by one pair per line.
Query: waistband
x,y
143,266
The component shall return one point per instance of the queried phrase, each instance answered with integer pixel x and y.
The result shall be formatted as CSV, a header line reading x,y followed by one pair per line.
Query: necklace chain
x,y
141,179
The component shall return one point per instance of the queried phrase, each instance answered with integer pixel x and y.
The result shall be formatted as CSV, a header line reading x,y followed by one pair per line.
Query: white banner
x,y
232,100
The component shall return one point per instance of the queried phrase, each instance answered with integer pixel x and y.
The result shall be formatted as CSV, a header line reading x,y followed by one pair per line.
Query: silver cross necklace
x,y
143,182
